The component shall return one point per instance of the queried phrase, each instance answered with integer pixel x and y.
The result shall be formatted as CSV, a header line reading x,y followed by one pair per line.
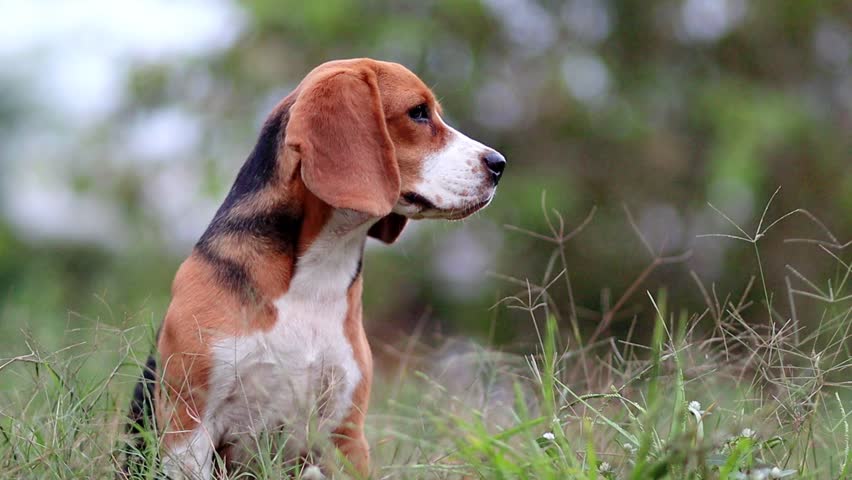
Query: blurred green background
x,y
122,125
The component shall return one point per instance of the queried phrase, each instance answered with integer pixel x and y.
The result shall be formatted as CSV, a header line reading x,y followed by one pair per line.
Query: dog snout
x,y
495,163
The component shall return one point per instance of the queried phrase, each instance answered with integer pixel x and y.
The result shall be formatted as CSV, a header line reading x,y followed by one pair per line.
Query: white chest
x,y
302,372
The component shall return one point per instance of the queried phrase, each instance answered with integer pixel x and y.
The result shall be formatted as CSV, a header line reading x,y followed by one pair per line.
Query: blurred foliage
x,y
597,102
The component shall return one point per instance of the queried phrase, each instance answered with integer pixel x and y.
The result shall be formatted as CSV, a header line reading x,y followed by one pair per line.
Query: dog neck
x,y
332,262
260,241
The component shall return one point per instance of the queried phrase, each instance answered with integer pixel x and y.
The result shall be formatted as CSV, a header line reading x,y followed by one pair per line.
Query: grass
x,y
735,391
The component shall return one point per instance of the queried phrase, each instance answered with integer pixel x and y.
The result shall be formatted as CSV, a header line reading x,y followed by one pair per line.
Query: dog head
x,y
369,137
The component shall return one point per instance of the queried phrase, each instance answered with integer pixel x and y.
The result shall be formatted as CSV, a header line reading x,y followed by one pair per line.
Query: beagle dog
x,y
264,330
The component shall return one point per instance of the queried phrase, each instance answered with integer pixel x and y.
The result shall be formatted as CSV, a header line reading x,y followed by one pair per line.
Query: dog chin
x,y
415,206
459,212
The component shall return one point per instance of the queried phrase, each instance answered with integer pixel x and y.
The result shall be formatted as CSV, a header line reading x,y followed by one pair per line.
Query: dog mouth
x,y
458,214
416,199
427,209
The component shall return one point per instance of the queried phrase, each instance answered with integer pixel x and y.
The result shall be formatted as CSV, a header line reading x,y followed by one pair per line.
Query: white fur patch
x,y
298,377
313,473
193,459
453,178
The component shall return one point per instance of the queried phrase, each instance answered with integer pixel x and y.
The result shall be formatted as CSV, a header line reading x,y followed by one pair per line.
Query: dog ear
x,y
388,228
337,126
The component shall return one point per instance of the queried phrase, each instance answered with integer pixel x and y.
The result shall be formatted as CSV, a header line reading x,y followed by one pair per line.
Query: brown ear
x,y
388,228
337,126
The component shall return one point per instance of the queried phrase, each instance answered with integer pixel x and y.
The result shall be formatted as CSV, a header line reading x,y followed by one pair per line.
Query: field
x,y
684,395
661,288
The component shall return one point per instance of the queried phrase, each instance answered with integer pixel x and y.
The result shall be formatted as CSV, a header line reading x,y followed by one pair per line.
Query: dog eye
x,y
420,113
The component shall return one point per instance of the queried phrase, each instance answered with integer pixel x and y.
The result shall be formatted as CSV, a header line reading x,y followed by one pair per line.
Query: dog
x,y
264,330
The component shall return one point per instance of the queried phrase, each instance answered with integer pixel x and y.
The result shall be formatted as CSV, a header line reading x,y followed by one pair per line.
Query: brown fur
x,y
349,438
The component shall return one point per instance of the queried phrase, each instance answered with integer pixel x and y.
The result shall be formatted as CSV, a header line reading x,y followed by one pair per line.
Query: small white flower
x,y
748,433
778,473
694,408
548,436
605,467
759,474
631,449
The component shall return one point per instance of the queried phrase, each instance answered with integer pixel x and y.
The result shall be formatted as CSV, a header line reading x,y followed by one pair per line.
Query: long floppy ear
x,y
388,228
337,126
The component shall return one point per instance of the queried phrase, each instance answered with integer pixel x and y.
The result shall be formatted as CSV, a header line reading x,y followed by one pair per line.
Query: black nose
x,y
495,164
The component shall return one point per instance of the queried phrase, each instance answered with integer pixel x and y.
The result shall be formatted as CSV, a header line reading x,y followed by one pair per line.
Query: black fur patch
x,y
141,420
277,230
142,406
261,165
228,272
358,269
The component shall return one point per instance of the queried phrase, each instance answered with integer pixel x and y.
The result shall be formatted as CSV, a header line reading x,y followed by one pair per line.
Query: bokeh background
x,y
122,124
